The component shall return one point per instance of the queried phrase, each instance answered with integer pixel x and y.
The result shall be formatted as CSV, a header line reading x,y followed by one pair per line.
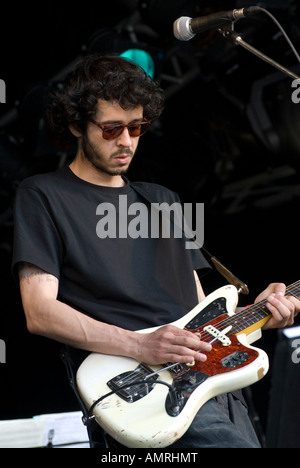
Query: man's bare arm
x,y
47,316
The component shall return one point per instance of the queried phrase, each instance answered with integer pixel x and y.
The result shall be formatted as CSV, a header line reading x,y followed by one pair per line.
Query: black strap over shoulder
x,y
145,193
143,190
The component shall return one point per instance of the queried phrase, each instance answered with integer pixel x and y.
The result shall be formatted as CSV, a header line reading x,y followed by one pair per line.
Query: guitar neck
x,y
257,315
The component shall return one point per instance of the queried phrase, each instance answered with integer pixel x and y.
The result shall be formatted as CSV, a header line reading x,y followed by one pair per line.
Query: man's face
x,y
111,157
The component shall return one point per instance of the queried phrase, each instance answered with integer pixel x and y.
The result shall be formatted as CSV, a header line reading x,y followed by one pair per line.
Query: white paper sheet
x,y
60,429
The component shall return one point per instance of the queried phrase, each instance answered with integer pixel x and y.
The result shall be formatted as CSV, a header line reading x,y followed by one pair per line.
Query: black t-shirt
x,y
134,283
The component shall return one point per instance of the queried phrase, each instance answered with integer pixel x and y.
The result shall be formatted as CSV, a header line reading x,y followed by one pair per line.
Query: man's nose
x,y
125,138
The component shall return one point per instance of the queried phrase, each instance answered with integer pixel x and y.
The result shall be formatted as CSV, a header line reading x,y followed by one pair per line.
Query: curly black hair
x,y
100,77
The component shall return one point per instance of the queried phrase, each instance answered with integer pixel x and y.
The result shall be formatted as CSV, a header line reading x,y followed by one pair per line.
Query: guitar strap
x,y
141,189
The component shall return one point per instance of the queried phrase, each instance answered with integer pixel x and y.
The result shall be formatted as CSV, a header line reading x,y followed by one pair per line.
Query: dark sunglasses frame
x,y
111,132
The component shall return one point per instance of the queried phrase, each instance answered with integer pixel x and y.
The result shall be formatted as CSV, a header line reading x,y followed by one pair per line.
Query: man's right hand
x,y
171,344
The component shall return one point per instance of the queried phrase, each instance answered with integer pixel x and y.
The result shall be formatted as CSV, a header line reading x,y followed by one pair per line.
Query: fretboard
x,y
253,314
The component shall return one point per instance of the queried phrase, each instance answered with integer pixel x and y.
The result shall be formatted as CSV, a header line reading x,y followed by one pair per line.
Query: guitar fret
x,y
294,289
251,315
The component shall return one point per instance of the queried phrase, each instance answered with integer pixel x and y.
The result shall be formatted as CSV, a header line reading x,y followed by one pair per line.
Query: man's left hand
x,y
283,308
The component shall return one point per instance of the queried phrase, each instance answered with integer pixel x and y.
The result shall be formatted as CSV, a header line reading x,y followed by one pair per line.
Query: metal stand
x,y
236,38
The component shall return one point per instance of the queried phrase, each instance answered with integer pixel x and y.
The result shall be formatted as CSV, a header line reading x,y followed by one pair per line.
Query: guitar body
x,y
143,415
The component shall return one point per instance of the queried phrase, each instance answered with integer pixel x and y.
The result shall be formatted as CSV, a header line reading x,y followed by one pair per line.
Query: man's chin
x,y
117,169
114,172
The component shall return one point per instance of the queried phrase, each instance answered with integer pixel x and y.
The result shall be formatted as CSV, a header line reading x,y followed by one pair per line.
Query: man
x,y
93,291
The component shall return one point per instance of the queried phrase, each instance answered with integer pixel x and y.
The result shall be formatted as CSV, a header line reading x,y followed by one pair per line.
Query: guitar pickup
x,y
179,369
219,335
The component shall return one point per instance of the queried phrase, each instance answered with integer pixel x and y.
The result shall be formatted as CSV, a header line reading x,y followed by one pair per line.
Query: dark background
x,y
229,137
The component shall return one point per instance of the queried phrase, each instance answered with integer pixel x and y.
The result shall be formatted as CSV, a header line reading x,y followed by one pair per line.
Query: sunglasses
x,y
135,129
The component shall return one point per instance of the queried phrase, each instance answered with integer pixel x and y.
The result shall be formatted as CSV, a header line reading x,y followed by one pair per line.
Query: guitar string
x,y
206,337
249,316
239,321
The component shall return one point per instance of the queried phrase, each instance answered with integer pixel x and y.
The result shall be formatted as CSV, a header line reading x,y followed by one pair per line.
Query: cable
x,y
263,10
172,393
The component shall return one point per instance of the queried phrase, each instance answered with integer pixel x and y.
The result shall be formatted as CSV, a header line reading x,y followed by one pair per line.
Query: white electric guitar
x,y
153,406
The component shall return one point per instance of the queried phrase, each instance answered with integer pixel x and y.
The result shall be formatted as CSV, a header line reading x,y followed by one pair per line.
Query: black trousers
x,y
223,422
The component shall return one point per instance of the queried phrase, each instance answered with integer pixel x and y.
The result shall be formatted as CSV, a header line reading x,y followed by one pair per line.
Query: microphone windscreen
x,y
182,30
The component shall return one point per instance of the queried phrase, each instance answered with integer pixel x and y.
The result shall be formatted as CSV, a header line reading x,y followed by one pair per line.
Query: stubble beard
x,y
97,161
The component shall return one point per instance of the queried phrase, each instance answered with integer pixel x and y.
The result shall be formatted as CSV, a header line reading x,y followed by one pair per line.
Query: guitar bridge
x,y
177,369
128,385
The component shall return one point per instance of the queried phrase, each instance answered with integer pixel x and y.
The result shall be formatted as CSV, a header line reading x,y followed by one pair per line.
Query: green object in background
x,y
141,58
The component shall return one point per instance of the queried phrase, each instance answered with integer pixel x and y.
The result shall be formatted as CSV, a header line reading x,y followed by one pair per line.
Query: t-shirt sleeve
x,y
36,239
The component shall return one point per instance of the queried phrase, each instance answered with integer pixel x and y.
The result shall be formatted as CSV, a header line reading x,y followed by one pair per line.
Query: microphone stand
x,y
238,40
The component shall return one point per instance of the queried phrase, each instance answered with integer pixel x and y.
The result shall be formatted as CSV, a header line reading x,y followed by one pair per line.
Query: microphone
x,y
186,28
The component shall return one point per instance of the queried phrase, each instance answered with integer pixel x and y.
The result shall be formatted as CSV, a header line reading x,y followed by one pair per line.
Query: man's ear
x,y
75,131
